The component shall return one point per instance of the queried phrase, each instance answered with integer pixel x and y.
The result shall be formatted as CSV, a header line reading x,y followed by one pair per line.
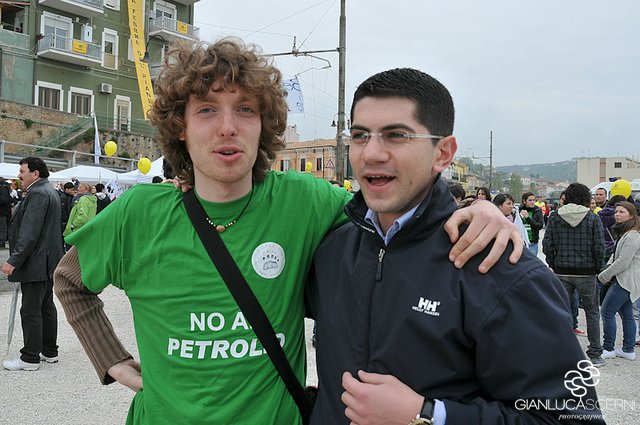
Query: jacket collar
x,y
437,206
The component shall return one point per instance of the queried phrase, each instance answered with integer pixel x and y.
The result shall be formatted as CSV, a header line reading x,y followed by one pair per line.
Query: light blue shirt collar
x,y
372,218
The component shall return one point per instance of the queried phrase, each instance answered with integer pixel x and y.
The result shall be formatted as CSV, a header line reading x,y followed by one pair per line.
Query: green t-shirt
x,y
201,363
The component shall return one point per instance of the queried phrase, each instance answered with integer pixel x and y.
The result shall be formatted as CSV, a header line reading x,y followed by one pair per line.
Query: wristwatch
x,y
425,417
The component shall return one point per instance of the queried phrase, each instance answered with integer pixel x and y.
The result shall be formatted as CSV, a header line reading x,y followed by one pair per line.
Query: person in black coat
x,y
35,249
103,197
5,210
66,197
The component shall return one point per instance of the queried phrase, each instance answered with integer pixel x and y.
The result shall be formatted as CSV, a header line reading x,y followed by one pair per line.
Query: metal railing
x,y
174,26
86,158
70,45
92,3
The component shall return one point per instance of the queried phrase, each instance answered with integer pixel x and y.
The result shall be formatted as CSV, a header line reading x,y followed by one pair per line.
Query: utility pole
x,y
342,50
490,159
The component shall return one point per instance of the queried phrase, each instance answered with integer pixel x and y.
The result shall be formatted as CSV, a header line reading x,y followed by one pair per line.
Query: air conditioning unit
x,y
106,88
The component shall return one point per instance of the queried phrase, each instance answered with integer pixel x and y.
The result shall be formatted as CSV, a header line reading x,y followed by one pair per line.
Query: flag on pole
x,y
96,142
295,102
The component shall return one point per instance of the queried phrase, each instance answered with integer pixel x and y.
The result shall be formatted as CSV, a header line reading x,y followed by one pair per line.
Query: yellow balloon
x,y
144,165
347,185
621,187
308,166
110,148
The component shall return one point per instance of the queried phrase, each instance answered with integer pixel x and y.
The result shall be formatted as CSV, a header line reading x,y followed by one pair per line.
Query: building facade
x,y
76,56
592,171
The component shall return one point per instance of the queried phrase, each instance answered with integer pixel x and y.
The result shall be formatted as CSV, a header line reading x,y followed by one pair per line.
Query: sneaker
x,y
625,355
579,332
44,358
18,364
597,361
608,354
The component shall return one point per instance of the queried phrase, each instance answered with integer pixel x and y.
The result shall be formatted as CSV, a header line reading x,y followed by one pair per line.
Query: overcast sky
x,y
552,79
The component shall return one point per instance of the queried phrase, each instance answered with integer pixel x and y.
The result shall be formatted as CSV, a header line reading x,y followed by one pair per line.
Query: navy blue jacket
x,y
483,344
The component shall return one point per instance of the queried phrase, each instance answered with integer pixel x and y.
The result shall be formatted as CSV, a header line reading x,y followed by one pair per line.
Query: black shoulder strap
x,y
246,300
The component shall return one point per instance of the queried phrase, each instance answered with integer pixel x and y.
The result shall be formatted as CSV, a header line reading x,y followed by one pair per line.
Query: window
x,y
617,165
165,14
112,4
303,163
48,98
110,48
80,101
164,10
130,56
284,164
80,104
48,95
319,164
58,29
122,119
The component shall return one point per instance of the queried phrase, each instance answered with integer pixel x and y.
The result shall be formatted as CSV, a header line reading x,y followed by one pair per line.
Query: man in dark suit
x,y
35,250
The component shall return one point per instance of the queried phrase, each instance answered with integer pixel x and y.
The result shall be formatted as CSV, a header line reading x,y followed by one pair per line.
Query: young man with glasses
x,y
402,335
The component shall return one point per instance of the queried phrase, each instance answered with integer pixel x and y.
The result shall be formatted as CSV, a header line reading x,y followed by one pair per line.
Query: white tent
x,y
9,171
90,174
156,170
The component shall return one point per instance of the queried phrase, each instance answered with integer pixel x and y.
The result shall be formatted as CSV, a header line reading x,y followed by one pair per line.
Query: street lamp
x,y
146,58
333,121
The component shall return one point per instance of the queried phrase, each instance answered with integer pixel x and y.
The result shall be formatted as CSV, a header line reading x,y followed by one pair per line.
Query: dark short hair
x,y
577,193
526,195
457,190
602,188
501,198
434,106
68,185
156,179
614,200
36,164
99,187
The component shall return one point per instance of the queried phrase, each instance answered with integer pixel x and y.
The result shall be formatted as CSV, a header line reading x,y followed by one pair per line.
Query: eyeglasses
x,y
388,138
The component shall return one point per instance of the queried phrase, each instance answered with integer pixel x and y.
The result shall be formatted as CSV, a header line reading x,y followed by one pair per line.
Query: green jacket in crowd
x,y
83,211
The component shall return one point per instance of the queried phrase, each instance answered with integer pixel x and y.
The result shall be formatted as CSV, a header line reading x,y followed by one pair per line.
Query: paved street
x,y
69,392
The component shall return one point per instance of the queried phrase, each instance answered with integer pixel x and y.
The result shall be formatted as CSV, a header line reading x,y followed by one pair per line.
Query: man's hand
x,y
486,222
127,373
7,269
182,185
379,399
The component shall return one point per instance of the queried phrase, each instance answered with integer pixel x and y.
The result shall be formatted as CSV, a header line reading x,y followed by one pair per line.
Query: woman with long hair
x,y
623,278
483,193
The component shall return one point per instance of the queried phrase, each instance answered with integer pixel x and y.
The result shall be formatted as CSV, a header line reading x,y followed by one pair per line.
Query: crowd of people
x,y
414,313
592,244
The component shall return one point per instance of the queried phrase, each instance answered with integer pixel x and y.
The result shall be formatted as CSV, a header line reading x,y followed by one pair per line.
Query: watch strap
x,y
425,417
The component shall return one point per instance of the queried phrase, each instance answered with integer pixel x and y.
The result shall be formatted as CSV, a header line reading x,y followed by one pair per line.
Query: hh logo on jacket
x,y
427,307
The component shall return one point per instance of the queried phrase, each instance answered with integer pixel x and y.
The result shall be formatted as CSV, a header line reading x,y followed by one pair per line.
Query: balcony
x,y
173,30
86,8
69,50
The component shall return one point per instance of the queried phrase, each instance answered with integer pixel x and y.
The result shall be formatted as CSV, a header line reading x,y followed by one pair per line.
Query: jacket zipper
x,y
368,332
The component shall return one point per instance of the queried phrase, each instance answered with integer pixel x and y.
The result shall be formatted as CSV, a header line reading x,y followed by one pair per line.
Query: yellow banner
x,y
183,28
136,27
78,46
